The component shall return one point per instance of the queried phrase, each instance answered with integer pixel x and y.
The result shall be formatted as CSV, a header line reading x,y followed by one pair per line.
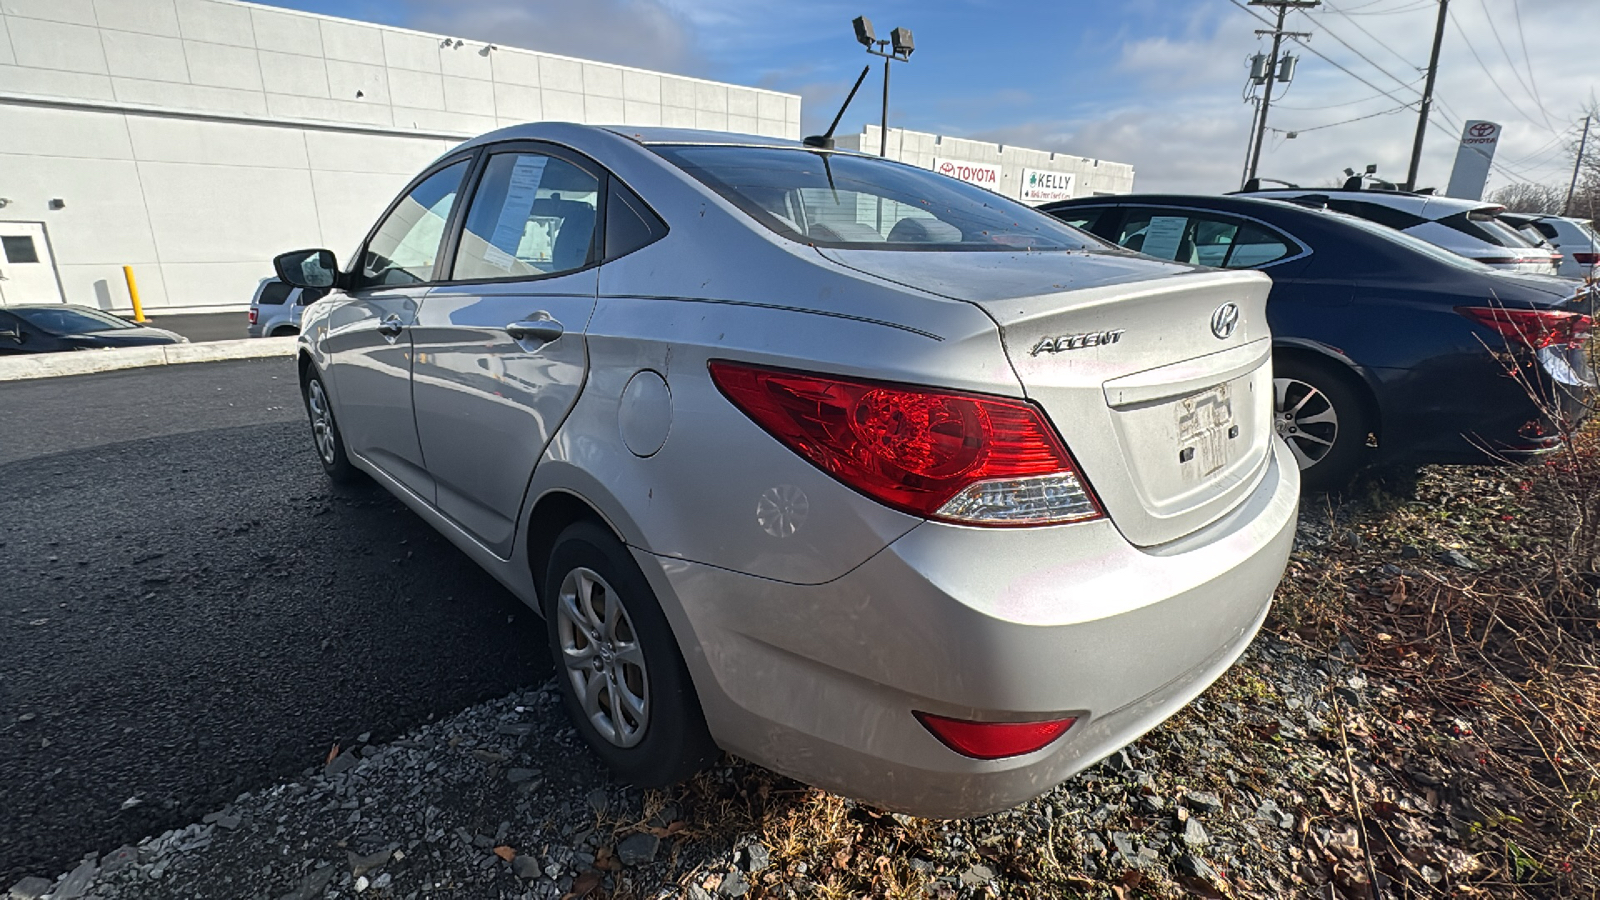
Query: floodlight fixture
x,y
900,39
865,36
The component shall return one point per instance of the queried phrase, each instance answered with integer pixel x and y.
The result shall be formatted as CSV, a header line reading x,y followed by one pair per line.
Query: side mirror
x,y
307,268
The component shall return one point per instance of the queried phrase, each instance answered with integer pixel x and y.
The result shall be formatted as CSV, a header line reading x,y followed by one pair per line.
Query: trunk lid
x,y
1170,423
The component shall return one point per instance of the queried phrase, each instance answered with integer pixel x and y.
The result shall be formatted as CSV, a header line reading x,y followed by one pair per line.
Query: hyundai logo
x,y
1225,320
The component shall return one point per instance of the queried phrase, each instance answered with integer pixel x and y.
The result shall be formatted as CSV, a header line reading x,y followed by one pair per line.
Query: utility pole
x,y
1577,164
1427,98
1278,34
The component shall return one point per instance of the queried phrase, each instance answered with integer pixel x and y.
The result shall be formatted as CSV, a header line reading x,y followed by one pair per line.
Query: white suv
x,y
1470,228
1574,239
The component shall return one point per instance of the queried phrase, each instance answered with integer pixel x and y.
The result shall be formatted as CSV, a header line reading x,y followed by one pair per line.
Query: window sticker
x,y
521,192
1163,235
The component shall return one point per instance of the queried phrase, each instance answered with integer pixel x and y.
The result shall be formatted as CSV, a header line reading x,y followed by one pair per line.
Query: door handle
x,y
540,328
391,327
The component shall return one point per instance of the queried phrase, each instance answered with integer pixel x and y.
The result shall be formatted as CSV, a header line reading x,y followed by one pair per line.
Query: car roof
x,y
1432,206
568,132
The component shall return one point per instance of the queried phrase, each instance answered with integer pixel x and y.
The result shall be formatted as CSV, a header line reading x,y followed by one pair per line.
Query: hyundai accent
x,y
875,478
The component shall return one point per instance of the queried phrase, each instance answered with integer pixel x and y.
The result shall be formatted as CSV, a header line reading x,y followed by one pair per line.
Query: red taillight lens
x,y
253,313
1536,328
937,454
993,740
1586,259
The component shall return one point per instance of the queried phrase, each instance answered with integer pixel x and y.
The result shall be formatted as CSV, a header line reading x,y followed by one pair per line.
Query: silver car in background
x,y
875,478
276,308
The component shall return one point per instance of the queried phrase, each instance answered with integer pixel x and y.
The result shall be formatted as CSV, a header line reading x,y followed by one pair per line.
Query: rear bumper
x,y
819,682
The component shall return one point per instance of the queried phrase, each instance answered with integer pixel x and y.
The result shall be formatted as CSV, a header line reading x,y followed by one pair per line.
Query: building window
x,y
19,249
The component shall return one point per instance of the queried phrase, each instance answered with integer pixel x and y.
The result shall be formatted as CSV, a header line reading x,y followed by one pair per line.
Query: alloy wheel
x,y
1305,418
321,420
603,659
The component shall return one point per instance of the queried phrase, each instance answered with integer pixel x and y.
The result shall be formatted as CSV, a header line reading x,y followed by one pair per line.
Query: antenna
x,y
825,140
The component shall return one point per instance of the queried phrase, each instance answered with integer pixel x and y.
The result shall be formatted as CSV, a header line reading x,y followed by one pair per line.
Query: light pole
x,y
900,47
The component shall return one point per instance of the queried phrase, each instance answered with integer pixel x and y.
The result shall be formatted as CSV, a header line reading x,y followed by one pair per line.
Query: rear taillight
x,y
993,740
938,454
1586,259
1536,328
253,313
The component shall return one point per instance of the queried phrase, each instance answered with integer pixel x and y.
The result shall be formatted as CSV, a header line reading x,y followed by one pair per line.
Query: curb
x,y
54,365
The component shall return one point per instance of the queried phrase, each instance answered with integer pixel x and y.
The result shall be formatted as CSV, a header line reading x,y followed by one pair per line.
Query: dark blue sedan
x,y
1386,348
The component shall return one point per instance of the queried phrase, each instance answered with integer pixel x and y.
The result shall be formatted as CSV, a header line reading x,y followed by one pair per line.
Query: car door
x,y
368,334
500,350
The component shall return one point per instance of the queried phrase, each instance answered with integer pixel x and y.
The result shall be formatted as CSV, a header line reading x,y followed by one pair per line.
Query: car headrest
x,y
919,230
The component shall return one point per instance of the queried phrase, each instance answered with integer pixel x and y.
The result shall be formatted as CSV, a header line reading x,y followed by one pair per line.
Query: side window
x,y
19,249
1397,219
1164,234
1256,246
532,215
406,245
1080,218
1199,238
629,222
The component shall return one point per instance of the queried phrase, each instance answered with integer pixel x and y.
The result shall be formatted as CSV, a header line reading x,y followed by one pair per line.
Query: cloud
x,y
649,34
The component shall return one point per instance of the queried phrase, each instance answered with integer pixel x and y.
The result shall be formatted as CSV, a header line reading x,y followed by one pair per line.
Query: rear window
x,y
1485,227
1376,212
274,293
864,203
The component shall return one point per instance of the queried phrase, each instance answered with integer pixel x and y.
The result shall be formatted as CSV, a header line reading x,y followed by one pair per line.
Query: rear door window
x,y
532,215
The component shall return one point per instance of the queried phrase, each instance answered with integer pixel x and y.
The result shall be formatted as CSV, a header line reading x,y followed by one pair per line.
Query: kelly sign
x,y
1039,186
981,174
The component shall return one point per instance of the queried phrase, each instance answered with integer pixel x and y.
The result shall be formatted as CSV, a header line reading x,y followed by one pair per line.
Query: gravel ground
x,y
497,802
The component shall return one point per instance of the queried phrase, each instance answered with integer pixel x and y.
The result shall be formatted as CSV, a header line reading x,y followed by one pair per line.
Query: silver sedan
x,y
877,479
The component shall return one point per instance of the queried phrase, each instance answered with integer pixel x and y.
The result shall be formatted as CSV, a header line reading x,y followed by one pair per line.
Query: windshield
x,y
864,203
69,320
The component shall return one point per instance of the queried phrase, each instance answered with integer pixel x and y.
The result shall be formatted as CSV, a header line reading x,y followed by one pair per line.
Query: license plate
x,y
1206,432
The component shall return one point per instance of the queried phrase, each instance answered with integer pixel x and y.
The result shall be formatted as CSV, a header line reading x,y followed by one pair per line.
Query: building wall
x,y
195,139
1091,176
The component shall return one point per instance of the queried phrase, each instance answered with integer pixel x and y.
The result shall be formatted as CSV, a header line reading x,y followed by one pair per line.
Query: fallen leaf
x,y
332,755
505,853
583,885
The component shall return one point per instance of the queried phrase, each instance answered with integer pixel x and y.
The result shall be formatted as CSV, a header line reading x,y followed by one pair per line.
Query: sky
x,y
1156,83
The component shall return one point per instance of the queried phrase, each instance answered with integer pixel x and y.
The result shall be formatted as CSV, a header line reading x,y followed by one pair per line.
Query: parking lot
x,y
189,612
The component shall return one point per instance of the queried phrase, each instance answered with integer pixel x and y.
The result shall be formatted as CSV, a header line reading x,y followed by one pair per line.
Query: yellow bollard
x,y
133,294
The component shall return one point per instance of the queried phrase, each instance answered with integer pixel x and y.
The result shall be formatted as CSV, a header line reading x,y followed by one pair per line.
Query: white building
x,y
1032,176
194,139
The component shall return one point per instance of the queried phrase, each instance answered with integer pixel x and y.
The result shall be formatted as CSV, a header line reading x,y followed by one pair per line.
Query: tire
x,y
1324,420
623,650
325,437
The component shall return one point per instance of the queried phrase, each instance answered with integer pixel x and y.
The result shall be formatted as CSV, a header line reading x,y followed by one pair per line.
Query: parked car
x,y
276,307
865,474
1574,239
52,327
1468,228
1386,349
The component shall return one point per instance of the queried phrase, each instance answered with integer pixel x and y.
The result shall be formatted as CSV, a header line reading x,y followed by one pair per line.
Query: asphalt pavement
x,y
189,611
230,326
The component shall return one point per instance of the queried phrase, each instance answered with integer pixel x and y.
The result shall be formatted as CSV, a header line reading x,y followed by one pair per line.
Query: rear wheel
x,y
325,436
622,679
1323,420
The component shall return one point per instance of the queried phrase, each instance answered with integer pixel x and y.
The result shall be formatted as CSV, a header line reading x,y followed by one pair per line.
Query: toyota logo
x,y
1225,320
1482,129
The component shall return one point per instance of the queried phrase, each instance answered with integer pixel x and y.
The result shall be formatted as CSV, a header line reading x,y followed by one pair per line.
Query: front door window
x,y
406,245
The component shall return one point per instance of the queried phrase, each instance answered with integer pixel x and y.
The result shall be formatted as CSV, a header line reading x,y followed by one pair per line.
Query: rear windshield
x,y
864,203
1416,244
275,293
69,320
1485,227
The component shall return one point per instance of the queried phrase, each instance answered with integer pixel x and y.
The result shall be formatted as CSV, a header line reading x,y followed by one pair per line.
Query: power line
x,y
1412,85
1369,34
1513,64
1492,80
1522,38
1385,112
